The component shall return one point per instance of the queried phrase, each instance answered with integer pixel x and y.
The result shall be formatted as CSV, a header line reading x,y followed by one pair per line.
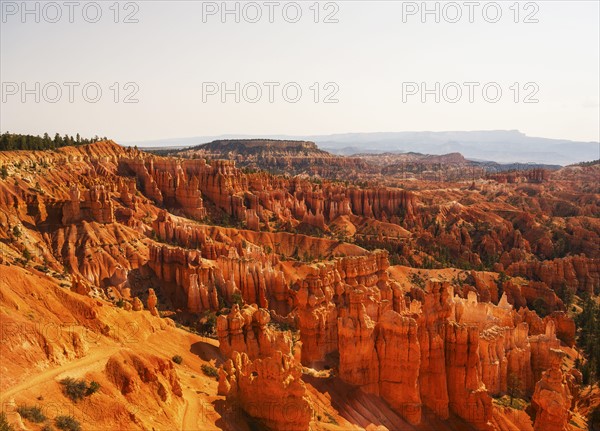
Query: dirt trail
x,y
198,413
94,357
194,413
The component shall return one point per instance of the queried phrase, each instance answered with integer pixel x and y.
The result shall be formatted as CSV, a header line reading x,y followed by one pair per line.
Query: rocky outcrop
x,y
95,206
541,346
188,280
333,290
359,364
399,358
316,316
143,172
269,389
415,357
383,203
247,330
565,327
578,273
537,175
435,309
552,398
256,198
198,282
467,394
169,182
448,353
152,302
138,377
137,304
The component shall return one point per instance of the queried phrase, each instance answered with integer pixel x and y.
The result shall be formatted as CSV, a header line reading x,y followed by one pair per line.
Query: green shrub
x,y
42,268
177,359
515,403
92,388
74,389
67,423
209,371
207,323
236,298
331,419
27,255
540,306
283,326
77,389
417,280
31,413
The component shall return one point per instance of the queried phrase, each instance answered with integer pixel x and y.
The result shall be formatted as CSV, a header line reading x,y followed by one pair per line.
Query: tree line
x,y
588,323
14,141
590,163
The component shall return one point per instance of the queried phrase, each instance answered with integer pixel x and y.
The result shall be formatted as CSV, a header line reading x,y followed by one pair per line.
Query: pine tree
x,y
514,387
46,141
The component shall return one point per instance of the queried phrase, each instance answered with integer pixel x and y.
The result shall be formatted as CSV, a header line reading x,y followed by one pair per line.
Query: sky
x,y
174,69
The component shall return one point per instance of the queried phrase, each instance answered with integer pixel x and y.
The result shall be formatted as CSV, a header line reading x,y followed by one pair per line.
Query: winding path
x,y
92,358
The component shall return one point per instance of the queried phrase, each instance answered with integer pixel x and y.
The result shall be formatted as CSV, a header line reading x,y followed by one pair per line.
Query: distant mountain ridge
x,y
502,146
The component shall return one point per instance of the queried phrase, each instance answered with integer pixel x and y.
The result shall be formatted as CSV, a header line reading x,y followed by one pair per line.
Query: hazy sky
x,y
175,51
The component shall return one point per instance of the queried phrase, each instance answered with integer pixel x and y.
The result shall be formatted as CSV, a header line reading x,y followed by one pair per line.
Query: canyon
x,y
271,285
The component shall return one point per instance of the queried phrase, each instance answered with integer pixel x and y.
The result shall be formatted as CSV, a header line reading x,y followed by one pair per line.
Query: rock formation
x,y
152,302
269,389
552,397
95,206
578,273
131,372
247,330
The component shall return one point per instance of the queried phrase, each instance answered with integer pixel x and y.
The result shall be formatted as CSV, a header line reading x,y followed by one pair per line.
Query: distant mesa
x,y
259,145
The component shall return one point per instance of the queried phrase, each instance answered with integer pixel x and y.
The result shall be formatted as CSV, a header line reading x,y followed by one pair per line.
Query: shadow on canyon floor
x,y
363,409
207,352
